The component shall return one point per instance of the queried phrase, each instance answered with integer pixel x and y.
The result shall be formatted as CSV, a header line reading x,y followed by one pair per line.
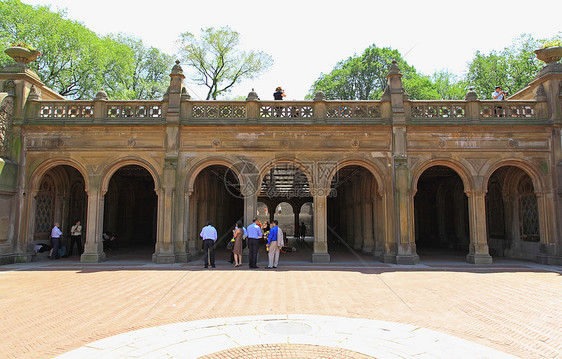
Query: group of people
x,y
75,238
275,241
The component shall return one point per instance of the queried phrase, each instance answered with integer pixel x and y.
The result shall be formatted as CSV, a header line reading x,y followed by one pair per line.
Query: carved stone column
x,y
547,228
164,252
93,248
404,213
320,251
479,252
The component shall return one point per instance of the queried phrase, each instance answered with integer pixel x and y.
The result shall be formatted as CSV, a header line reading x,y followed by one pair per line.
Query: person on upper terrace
x,y
498,95
279,93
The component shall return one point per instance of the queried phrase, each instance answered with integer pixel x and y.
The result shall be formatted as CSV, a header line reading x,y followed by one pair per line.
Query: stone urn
x,y
549,54
21,54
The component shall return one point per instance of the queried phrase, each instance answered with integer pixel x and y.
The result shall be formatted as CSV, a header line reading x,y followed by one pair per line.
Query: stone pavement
x,y
49,308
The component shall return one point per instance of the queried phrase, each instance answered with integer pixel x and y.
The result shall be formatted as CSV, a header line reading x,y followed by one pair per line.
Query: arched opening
x,y
512,218
284,190
217,198
354,214
130,212
441,213
61,197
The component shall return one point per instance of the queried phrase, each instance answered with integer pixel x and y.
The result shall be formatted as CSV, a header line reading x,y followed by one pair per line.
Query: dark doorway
x,y
130,210
441,212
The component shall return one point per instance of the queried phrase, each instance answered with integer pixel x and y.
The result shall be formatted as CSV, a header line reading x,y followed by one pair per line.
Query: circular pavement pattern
x,y
292,351
285,336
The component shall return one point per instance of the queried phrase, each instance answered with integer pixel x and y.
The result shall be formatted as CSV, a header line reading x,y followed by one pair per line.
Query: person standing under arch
x,y
76,237
209,235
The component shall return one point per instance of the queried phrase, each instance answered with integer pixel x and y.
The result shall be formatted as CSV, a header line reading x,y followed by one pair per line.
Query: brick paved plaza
x,y
49,308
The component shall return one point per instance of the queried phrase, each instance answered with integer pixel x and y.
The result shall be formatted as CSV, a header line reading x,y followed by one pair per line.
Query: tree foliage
x,y
218,61
364,77
511,68
75,61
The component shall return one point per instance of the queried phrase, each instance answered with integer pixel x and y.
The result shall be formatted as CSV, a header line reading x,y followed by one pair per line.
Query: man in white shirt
x,y
56,233
209,235
76,237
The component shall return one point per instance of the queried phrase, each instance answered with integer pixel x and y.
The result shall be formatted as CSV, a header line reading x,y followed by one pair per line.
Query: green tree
x,y
511,68
218,61
449,86
75,61
139,72
364,77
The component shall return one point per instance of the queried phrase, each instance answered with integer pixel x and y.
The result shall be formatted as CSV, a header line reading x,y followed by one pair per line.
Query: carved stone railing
x,y
354,109
66,109
215,110
286,109
479,110
110,110
351,112
438,109
508,109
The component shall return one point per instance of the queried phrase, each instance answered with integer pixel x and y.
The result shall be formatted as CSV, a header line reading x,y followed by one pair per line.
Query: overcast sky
x,y
307,38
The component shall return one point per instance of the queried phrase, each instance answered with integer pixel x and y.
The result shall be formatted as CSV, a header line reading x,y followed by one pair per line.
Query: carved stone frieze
x,y
476,163
6,113
9,87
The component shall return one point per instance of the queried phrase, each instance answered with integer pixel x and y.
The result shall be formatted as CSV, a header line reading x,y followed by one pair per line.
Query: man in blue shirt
x,y
254,235
274,244
209,235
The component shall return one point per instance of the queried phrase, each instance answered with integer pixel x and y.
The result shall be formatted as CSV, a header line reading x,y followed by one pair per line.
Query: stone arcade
x,y
387,177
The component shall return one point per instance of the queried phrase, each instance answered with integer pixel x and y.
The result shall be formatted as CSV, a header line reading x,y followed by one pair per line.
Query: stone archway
x,y
215,197
130,210
441,213
355,212
512,215
60,197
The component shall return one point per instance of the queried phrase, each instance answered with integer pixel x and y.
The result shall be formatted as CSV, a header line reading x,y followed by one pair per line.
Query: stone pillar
x,y
297,212
357,215
368,240
404,213
181,246
320,251
93,248
546,211
164,252
478,249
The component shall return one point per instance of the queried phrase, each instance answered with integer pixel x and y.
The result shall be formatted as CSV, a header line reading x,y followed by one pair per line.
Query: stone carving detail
x,y
135,111
441,143
354,111
540,94
286,111
438,111
508,110
131,142
10,87
6,113
63,110
354,143
219,111
33,93
512,143
216,142
476,163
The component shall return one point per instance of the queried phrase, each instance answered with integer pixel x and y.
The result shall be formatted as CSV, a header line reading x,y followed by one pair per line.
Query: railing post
x,y
472,106
320,109
252,106
99,106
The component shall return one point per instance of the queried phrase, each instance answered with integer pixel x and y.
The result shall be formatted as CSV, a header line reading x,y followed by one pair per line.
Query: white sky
x,y
308,37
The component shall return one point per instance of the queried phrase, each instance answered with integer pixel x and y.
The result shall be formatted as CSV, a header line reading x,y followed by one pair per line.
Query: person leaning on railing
x,y
498,95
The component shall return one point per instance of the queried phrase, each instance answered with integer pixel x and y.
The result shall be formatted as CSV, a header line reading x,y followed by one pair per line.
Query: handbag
x,y
230,244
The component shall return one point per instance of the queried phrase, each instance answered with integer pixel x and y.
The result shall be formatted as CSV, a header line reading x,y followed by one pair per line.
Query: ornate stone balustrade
x,y
438,109
69,110
354,109
215,110
362,111
510,109
66,109
286,109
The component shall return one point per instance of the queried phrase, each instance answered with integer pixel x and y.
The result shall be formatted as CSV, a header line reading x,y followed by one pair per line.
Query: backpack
x,y
280,238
